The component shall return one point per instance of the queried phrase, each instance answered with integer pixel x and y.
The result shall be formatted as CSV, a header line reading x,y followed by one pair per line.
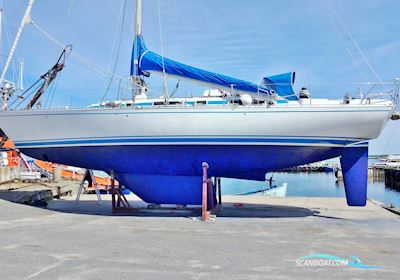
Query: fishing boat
x,y
156,147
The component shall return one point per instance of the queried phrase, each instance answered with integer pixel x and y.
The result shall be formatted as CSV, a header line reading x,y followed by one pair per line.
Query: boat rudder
x,y
354,163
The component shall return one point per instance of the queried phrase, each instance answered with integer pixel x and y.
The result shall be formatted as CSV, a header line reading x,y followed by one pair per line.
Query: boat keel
x,y
161,189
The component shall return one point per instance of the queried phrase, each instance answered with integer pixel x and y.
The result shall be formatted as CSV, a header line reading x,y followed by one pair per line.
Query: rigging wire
x,y
53,86
165,84
1,29
175,89
368,64
92,65
167,28
82,59
53,89
339,34
9,42
27,90
118,52
119,91
114,39
66,20
356,44
26,97
49,97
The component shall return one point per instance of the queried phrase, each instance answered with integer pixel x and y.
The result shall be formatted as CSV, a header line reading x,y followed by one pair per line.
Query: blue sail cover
x,y
144,61
282,84
139,48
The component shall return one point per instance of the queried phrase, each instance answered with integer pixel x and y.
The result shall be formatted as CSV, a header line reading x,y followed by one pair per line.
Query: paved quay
x,y
253,238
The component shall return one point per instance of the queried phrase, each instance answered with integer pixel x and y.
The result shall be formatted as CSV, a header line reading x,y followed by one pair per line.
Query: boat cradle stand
x,y
208,207
119,202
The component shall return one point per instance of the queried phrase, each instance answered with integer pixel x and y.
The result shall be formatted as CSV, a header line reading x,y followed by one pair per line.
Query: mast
x,y
1,23
137,82
138,18
25,20
21,76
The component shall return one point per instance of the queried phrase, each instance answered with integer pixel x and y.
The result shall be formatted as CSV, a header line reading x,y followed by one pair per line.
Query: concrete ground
x,y
253,238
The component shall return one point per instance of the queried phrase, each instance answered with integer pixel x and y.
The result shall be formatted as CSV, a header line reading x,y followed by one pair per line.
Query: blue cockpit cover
x,y
282,84
144,60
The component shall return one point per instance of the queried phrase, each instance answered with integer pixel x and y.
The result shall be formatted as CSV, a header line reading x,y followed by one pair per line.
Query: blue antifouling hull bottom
x,y
354,162
172,174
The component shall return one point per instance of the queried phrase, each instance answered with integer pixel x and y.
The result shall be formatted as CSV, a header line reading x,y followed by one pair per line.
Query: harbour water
x,y
318,184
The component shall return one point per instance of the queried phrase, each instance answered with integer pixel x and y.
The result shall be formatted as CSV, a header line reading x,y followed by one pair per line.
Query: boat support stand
x,y
208,208
118,200
89,177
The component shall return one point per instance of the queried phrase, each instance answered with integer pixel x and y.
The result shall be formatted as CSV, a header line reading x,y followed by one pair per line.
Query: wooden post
x,y
204,212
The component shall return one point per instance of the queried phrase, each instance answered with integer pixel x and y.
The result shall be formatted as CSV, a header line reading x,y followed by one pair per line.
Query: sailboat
x,y
156,147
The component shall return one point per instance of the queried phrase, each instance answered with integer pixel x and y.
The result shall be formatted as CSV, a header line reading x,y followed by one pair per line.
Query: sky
x,y
244,39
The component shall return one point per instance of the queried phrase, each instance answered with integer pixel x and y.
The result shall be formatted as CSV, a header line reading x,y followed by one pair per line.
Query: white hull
x,y
279,191
151,149
213,124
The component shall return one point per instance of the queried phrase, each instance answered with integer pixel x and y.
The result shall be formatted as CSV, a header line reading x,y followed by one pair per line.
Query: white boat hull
x,y
157,152
209,126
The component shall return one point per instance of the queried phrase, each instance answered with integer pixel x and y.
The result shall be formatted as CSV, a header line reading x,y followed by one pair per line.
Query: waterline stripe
x,y
184,140
264,136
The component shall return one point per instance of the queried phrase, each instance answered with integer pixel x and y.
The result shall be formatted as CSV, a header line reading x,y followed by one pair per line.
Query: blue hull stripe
x,y
184,140
208,136
263,136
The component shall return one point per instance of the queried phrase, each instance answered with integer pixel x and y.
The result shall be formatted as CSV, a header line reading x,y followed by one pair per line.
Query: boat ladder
x,y
90,178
